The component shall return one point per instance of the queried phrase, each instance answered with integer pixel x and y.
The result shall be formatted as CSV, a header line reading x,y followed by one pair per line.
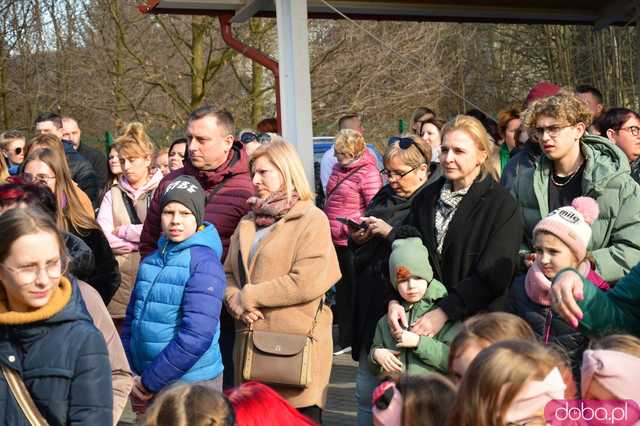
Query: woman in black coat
x,y
47,338
471,226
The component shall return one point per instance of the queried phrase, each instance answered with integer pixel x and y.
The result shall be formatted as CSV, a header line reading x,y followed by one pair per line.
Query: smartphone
x,y
352,224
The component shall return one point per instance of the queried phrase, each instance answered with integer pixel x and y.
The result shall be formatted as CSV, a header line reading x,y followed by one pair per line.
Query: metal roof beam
x,y
250,9
616,11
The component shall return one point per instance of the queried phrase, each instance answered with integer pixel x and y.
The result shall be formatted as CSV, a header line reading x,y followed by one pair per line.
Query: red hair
x,y
256,404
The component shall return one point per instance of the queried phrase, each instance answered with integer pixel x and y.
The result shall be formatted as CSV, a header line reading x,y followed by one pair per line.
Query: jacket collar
x,y
59,299
237,163
247,230
463,214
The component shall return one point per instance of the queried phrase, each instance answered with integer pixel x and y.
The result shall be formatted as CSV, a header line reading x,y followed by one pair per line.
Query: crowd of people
x,y
476,271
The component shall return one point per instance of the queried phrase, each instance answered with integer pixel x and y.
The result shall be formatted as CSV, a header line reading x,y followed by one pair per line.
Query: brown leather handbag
x,y
278,358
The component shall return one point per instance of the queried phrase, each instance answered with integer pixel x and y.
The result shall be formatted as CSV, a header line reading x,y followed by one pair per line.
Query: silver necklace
x,y
571,176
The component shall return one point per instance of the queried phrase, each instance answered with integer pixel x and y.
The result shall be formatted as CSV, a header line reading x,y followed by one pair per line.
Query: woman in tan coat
x,y
280,263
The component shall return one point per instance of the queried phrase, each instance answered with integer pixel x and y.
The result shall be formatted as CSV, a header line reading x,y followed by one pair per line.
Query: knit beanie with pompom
x,y
572,224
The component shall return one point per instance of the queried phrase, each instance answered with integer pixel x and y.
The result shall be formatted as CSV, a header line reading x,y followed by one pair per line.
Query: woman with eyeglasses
x,y
177,152
124,209
406,169
12,146
48,167
352,185
49,342
471,226
576,164
622,127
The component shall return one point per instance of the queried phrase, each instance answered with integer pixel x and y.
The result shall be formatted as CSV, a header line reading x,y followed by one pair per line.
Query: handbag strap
x,y
340,183
243,281
21,394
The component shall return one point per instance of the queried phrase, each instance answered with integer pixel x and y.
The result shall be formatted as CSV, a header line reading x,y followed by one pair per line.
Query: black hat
x,y
187,191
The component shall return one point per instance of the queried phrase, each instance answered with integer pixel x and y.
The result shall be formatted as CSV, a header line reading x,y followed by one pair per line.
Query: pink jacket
x,y
351,197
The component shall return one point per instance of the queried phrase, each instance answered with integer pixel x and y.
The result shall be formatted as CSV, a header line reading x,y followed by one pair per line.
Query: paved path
x,y
341,402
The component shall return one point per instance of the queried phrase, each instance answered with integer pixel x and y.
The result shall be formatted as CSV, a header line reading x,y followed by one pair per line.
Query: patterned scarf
x,y
272,208
446,207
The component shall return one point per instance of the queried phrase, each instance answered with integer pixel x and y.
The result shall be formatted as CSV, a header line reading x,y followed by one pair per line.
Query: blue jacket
x,y
171,328
63,361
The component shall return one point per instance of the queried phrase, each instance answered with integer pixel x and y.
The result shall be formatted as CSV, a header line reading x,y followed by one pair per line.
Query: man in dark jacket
x,y
82,172
222,168
72,133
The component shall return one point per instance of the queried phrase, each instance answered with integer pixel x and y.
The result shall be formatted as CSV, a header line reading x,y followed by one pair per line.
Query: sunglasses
x,y
248,137
403,143
18,150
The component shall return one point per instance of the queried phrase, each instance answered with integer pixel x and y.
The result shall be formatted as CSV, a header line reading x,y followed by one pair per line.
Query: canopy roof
x,y
588,12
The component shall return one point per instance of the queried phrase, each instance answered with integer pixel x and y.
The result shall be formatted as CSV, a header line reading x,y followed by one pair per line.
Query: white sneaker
x,y
342,351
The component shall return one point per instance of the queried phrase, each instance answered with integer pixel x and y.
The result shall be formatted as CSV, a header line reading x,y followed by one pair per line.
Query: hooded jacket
x,y
432,353
614,241
172,325
62,359
349,191
228,187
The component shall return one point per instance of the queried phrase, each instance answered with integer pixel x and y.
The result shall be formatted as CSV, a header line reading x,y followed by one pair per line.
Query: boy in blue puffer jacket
x,y
171,328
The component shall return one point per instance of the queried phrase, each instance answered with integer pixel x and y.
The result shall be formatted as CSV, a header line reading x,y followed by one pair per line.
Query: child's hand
x,y
388,360
140,396
249,317
408,340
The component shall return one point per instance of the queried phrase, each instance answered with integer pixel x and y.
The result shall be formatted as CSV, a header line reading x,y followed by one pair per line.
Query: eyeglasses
x,y
18,150
537,133
634,130
37,178
28,274
395,176
248,137
403,143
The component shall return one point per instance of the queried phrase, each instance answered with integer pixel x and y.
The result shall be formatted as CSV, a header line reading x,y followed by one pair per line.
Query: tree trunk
x,y
198,66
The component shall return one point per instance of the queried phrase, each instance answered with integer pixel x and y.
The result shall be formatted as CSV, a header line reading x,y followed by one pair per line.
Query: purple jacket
x,y
349,199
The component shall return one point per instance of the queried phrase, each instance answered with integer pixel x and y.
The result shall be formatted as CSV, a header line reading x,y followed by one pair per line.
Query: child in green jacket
x,y
412,276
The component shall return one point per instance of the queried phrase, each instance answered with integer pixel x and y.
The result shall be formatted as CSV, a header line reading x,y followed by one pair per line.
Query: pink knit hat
x,y
572,224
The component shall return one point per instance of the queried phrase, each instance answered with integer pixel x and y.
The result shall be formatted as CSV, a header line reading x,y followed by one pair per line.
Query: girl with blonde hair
x,y
124,209
279,265
47,166
471,227
510,382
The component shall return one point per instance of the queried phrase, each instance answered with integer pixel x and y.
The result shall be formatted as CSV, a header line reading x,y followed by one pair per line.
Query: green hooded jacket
x,y
432,353
614,242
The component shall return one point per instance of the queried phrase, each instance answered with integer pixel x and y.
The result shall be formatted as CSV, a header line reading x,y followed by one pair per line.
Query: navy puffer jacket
x,y
62,359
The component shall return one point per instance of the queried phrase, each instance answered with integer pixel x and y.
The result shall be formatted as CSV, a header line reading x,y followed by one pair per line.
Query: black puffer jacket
x,y
82,172
105,276
63,361
567,338
372,289
81,260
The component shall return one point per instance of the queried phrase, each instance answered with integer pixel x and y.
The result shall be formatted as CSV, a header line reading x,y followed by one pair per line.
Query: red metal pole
x,y
253,54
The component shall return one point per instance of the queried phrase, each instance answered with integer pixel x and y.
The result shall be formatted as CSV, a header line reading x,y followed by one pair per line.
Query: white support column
x,y
295,80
